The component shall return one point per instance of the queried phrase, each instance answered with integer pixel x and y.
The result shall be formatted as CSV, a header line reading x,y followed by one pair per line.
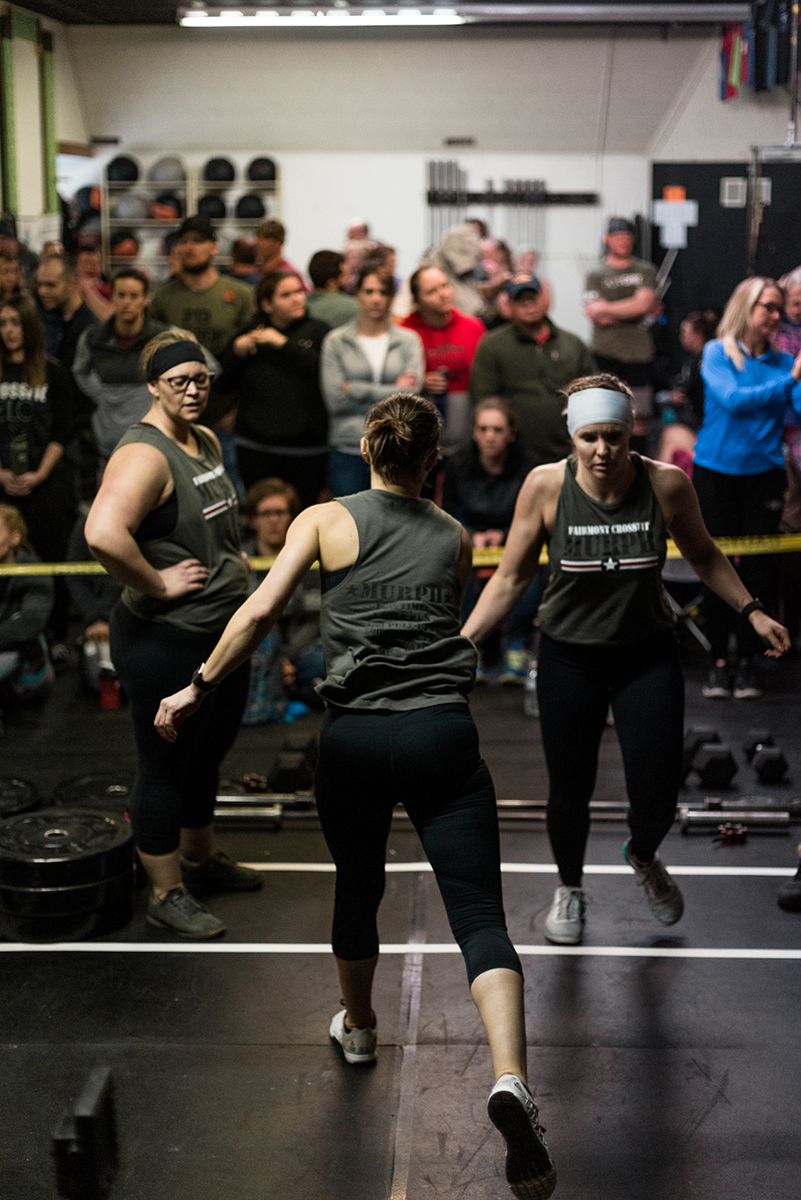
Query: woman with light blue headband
x,y
606,634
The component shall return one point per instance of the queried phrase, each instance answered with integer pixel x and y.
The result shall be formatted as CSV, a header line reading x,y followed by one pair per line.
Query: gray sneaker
x,y
219,873
530,1172
357,1045
180,912
661,891
564,924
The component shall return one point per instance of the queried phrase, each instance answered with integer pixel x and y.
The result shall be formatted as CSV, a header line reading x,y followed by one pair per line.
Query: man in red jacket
x,y
450,339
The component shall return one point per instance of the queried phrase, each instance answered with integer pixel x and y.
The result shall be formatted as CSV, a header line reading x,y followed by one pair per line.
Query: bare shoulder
x,y
335,530
138,459
544,483
668,482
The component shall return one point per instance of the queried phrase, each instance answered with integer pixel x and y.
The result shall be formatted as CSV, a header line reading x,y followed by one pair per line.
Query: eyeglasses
x,y
273,512
770,308
180,383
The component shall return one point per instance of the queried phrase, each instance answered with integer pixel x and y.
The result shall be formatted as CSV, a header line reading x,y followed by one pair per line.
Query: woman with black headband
x,y
164,523
607,633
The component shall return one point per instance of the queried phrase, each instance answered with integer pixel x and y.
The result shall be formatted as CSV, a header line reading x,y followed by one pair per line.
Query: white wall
x,y
353,122
71,123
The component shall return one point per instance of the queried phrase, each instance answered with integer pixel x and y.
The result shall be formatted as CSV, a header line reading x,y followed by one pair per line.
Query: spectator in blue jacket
x,y
739,470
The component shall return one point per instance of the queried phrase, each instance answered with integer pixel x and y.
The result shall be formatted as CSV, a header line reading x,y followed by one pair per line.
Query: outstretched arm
x,y
686,526
251,623
520,557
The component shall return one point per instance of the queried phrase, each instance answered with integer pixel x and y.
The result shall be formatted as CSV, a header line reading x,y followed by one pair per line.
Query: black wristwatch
x,y
199,682
754,606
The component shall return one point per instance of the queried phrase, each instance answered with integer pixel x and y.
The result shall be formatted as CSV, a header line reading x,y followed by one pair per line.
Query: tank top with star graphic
x,y
199,520
606,565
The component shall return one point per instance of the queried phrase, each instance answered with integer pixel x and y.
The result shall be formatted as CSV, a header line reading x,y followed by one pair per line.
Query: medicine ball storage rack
x,y
147,232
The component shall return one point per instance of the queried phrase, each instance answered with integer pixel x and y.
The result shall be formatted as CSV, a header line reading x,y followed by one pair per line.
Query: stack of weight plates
x,y
65,875
108,792
17,796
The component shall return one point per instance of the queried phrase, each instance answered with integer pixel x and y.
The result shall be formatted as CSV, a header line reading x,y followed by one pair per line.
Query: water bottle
x,y
531,707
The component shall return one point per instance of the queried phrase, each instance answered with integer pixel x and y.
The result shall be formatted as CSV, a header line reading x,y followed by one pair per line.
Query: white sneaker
x,y
564,924
661,890
357,1045
530,1172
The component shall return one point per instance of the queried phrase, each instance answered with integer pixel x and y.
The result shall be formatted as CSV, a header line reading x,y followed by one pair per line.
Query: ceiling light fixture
x,y
324,18
344,14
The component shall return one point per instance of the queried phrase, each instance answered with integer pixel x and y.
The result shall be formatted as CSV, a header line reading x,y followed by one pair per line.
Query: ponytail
x,y
402,432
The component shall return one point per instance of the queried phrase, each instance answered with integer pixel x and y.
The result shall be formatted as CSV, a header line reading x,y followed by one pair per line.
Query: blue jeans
x,y
347,473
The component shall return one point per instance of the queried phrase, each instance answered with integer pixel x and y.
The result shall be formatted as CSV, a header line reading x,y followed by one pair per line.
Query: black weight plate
x,y
109,792
17,796
58,847
65,901
67,929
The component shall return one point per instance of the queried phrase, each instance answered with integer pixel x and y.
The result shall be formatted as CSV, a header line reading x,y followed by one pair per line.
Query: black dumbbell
x,y
695,737
299,743
770,764
755,739
715,764
291,772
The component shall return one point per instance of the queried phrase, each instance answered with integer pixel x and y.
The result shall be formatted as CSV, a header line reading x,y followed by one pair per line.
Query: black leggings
x,y
741,506
428,759
644,684
176,783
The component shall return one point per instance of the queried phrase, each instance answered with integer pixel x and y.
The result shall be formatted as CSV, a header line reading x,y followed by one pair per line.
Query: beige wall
x,y
168,87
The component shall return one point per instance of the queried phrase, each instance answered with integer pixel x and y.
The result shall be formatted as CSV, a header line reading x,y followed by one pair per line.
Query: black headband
x,y
172,356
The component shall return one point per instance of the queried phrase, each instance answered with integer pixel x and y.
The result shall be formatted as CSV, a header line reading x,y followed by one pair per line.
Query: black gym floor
x,y
665,1062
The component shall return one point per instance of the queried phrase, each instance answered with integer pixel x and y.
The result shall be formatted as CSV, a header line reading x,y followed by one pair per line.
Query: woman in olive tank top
x,y
398,729
607,636
164,524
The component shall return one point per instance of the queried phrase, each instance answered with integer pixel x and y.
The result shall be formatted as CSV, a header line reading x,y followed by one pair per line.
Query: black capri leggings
x,y
176,783
427,759
645,686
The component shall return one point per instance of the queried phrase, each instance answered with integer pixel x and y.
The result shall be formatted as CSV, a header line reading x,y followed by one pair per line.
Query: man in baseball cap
x,y
213,307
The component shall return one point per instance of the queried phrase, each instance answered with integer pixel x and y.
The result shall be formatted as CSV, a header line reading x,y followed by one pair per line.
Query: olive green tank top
x,y
390,623
198,521
606,565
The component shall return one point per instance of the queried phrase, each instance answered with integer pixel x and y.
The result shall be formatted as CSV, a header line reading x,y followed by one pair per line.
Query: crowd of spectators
x,y
297,360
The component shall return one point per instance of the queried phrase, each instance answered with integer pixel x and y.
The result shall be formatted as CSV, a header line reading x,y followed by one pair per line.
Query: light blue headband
x,y
598,406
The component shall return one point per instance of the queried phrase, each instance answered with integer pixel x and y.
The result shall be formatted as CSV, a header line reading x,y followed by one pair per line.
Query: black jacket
x,y
278,390
479,500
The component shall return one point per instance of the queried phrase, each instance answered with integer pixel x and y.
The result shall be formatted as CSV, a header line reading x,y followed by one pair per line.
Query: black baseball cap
x,y
200,225
522,281
620,225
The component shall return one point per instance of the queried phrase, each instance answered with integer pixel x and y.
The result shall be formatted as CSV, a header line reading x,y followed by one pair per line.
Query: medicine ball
x,y
166,207
261,170
219,170
130,207
124,244
211,206
87,200
250,207
167,170
122,169
91,226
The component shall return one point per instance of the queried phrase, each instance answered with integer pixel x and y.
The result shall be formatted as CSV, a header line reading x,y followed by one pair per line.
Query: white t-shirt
x,y
375,351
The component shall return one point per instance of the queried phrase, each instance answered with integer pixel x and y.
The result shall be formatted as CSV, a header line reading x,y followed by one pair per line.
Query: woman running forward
x,y
607,633
398,728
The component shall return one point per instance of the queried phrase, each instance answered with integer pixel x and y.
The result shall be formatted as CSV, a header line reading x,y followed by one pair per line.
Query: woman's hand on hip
x,y
185,577
174,710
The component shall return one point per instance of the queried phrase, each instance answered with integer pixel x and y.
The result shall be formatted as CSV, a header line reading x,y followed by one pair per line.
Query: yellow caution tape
x,y
783,543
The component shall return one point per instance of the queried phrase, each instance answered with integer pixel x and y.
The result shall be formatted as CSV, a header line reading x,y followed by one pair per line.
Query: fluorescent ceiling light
x,y
352,16
326,18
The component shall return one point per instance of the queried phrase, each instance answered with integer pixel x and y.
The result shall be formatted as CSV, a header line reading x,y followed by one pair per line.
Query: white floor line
x,y
401,868
392,948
